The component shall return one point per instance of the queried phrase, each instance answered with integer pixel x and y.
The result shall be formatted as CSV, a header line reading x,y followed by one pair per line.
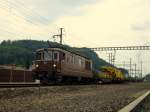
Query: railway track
x,y
33,84
22,84
133,105
95,98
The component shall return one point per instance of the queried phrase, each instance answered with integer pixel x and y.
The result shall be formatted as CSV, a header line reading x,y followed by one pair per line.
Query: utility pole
x,y
141,69
111,56
114,57
124,64
135,71
59,35
130,67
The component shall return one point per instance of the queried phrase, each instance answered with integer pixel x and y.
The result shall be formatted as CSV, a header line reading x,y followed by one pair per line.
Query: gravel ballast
x,y
73,98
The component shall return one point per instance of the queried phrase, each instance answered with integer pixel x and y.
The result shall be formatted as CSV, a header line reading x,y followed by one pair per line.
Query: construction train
x,y
61,65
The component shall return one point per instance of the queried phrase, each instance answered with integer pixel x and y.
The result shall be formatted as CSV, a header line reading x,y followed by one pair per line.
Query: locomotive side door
x,y
56,61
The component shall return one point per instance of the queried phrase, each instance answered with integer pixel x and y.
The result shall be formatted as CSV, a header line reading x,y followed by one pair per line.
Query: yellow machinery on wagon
x,y
110,74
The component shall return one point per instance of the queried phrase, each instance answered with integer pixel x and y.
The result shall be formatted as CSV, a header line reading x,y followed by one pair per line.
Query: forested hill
x,y
21,52
147,77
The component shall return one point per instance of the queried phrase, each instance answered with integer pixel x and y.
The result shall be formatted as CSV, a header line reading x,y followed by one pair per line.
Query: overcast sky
x,y
89,23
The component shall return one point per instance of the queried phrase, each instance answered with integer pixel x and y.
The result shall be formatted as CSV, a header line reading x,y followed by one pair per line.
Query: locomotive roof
x,y
60,48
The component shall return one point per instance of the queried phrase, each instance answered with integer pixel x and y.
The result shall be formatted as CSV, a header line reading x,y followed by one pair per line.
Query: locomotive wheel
x,y
59,79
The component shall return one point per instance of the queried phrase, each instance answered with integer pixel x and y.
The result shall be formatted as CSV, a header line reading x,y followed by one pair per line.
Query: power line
x,y
26,12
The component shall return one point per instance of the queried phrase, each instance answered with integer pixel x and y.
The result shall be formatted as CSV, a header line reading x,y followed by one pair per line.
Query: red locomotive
x,y
57,64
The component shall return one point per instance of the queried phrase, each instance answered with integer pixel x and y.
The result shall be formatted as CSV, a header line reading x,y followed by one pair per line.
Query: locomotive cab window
x,y
63,56
87,65
47,55
39,56
56,56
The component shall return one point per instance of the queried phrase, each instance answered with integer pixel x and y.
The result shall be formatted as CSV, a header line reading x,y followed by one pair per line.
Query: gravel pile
x,y
77,98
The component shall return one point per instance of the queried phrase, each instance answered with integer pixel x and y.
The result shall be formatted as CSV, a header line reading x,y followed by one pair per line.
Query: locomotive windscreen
x,y
47,55
39,55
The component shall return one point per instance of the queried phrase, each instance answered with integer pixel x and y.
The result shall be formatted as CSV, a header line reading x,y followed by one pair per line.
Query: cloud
x,y
142,27
33,19
87,22
107,23
14,25
45,11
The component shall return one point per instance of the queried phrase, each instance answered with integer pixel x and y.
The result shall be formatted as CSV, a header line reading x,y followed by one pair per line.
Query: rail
x,y
18,84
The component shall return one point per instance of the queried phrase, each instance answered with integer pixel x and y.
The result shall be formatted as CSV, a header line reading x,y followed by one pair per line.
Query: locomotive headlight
x,y
36,65
54,65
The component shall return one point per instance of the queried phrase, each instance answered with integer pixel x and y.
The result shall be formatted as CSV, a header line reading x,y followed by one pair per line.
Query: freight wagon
x,y
13,75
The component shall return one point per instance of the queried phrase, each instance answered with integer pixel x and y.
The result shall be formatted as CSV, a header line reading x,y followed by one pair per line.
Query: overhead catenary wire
x,y
24,10
31,12
27,12
13,8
